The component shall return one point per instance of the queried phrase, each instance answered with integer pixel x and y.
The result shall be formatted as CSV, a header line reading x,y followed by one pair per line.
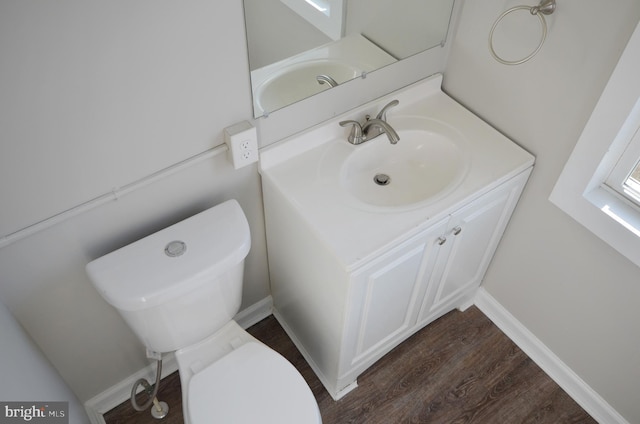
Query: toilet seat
x,y
252,384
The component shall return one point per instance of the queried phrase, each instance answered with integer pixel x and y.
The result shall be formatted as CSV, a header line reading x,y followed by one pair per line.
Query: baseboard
x,y
254,313
115,395
568,380
97,406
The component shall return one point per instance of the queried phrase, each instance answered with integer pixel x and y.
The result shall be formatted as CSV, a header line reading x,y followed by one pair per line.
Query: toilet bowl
x,y
231,377
178,290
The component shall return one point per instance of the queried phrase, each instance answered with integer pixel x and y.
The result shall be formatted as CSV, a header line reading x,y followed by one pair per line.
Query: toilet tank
x,y
181,284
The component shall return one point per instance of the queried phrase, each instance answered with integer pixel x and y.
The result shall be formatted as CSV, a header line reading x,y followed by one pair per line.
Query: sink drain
x,y
382,179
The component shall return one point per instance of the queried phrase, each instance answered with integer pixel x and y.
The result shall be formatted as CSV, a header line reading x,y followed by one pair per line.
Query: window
x,y
599,186
624,178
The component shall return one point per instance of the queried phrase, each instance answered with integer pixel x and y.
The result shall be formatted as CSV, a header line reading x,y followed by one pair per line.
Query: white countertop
x,y
306,169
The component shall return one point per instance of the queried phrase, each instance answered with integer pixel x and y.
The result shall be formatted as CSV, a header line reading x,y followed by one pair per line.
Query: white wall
x,y
94,95
574,292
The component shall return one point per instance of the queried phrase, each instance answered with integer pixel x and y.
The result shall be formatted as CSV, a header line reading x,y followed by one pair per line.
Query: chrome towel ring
x,y
546,7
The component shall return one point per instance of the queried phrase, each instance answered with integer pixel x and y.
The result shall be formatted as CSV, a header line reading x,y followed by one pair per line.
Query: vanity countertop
x,y
306,169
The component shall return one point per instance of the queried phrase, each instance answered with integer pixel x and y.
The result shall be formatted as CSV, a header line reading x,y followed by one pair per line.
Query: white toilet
x,y
179,290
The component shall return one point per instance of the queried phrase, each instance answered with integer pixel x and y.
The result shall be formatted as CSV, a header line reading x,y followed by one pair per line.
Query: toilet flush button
x,y
175,248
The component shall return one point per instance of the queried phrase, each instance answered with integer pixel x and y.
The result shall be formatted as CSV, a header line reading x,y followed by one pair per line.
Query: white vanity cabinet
x,y
343,320
353,276
423,278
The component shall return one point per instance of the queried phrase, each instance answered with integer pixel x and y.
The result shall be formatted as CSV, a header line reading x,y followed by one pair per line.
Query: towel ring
x,y
546,7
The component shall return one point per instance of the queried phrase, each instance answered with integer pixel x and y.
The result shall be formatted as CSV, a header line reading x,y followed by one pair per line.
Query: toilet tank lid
x,y
156,269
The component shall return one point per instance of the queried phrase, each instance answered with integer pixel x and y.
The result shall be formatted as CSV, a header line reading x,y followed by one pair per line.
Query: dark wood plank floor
x,y
460,369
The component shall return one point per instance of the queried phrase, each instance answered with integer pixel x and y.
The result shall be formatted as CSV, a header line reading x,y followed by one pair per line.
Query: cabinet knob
x,y
457,230
442,240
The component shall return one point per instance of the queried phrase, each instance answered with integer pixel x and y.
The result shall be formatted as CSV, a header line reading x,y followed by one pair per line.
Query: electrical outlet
x,y
242,141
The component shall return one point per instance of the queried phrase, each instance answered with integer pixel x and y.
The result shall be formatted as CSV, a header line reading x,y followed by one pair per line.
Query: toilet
x,y
178,290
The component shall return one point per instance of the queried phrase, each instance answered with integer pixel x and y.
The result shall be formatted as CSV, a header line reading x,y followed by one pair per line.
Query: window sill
x,y
605,215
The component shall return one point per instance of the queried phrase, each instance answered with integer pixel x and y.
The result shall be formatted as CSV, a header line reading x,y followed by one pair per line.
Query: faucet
x,y
372,127
326,79
381,127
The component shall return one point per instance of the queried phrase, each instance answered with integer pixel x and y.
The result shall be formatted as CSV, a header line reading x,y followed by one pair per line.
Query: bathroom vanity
x,y
359,263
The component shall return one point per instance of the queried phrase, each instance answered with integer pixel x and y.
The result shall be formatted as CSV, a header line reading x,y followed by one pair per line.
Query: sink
x,y
428,162
298,81
446,156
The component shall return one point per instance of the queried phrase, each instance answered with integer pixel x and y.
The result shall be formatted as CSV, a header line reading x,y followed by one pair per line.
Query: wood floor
x,y
460,369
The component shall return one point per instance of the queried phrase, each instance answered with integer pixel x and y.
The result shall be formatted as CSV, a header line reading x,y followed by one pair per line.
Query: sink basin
x,y
298,81
428,162
320,184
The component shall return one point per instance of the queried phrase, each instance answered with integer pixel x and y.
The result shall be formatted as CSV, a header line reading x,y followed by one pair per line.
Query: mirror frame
x,y
330,103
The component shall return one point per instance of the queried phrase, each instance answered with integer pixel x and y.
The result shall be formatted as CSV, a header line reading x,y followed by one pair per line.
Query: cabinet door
x,y
473,235
385,296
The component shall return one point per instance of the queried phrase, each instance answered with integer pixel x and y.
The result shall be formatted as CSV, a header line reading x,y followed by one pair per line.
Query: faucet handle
x,y
382,115
355,137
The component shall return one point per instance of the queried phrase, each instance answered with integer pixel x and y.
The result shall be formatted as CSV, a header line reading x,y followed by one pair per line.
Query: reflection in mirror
x,y
298,48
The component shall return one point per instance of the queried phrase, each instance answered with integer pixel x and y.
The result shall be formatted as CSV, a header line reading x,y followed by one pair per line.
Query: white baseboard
x,y
568,380
115,395
254,313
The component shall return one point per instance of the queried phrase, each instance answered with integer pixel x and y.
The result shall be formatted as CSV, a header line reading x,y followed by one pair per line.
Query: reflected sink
x,y
299,81
342,60
428,162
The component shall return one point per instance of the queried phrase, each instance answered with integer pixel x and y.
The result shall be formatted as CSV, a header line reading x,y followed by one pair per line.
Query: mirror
x,y
299,48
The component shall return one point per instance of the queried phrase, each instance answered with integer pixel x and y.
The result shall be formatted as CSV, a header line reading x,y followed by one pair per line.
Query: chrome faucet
x,y
372,127
326,79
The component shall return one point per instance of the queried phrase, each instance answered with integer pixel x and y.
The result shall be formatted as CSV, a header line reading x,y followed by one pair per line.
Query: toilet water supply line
x,y
160,409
